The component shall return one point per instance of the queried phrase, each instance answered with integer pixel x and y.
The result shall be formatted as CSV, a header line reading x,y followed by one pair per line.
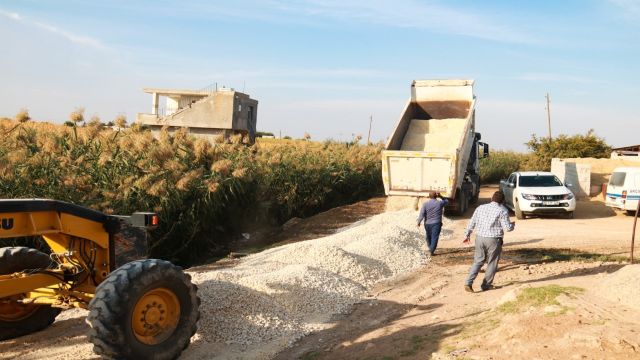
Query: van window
x,y
617,179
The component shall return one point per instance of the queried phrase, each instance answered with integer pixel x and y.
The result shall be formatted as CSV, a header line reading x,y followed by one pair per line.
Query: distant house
x,y
627,152
205,113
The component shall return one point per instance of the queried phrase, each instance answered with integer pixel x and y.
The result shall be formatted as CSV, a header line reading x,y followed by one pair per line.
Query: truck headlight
x,y
528,196
568,196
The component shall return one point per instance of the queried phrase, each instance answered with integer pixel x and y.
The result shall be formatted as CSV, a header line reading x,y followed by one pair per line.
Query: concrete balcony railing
x,y
147,119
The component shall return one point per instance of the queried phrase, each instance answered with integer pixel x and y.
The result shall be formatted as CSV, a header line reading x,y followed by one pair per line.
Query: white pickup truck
x,y
537,192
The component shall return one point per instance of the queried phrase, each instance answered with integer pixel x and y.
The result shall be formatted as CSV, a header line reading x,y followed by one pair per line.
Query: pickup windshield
x,y
539,181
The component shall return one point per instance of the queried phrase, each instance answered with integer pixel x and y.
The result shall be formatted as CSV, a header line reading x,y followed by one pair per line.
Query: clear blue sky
x,y
325,66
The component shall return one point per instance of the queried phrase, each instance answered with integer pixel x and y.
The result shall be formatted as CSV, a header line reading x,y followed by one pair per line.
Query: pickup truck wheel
x,y
519,214
630,212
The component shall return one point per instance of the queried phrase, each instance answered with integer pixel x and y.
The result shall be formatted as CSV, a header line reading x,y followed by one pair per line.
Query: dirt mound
x,y
622,286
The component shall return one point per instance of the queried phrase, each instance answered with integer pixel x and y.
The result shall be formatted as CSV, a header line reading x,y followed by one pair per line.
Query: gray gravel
x,y
272,298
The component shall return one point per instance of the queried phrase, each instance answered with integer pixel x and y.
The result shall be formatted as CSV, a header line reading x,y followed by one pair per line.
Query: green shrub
x,y
500,164
564,146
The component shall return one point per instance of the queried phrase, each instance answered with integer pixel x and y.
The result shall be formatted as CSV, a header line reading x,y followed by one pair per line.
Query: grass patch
x,y
313,355
539,296
482,325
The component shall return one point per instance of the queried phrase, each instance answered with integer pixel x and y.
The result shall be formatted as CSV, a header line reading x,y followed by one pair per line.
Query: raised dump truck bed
x,y
434,144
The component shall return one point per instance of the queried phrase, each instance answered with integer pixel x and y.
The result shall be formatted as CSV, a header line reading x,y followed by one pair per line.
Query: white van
x,y
623,190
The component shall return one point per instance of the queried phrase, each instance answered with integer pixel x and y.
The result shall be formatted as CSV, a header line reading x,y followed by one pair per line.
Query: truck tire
x,y
146,309
463,203
475,197
19,319
519,214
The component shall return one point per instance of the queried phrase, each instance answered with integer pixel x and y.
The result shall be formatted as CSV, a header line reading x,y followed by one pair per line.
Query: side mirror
x,y
485,149
568,185
512,185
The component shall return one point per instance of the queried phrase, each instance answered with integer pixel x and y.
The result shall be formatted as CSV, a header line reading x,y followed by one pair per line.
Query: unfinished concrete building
x,y
206,113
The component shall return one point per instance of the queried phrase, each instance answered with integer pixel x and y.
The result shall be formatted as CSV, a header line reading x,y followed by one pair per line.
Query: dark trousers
x,y
433,234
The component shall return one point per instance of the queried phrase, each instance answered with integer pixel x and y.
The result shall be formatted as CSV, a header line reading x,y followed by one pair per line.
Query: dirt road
x,y
428,315
556,300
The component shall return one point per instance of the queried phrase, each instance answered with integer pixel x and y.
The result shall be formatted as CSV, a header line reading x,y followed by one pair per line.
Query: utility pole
x,y
369,136
548,115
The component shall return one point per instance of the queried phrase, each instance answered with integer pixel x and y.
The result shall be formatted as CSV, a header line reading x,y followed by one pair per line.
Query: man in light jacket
x,y
490,222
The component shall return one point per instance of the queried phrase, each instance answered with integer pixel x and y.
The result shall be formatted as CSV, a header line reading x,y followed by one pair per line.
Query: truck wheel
x,y
475,197
519,214
19,319
146,309
462,203
630,212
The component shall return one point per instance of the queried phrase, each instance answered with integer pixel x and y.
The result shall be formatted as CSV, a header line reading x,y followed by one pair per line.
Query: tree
x,y
263,133
564,146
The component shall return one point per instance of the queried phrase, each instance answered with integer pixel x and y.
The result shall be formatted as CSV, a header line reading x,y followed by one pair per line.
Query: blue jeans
x,y
433,234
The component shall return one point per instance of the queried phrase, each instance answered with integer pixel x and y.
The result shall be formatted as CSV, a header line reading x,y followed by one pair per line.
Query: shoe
x,y
468,288
489,287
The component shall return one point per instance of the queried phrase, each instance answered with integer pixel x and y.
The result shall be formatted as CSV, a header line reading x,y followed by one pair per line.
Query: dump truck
x,y
435,146
139,309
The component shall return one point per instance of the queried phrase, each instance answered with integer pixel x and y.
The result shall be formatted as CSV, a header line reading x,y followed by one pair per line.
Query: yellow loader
x,y
144,309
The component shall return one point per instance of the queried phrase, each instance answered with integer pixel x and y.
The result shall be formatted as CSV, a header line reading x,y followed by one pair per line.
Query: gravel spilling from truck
x,y
281,294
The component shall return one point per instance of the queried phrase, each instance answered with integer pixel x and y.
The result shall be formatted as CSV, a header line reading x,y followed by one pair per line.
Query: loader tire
x,y
146,309
19,319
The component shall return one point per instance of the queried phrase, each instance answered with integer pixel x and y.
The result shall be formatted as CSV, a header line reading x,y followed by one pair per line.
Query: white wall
x,y
578,175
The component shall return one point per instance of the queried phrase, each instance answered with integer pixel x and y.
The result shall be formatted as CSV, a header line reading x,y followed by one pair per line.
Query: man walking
x,y
431,213
490,221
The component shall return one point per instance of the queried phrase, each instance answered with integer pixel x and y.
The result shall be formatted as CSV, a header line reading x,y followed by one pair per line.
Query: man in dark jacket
x,y
431,213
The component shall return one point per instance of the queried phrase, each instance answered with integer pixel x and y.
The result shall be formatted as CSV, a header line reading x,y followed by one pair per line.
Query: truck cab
x,y
537,192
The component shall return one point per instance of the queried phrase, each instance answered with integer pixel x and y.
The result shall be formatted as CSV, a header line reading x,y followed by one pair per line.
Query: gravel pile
x,y
282,294
622,286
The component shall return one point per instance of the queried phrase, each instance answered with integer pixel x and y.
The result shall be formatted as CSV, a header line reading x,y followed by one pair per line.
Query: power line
x,y
548,115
